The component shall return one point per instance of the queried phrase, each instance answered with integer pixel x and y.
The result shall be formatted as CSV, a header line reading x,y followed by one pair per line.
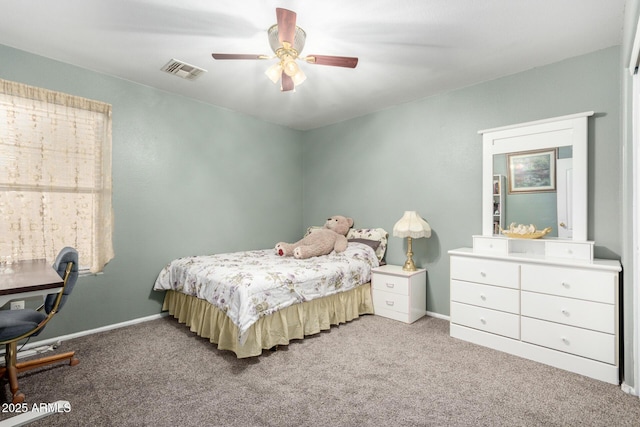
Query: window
x,y
55,176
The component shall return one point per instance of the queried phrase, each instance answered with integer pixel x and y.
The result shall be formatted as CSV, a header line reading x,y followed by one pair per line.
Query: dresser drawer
x,y
485,271
494,297
582,250
390,301
490,245
497,322
587,284
578,341
585,314
389,283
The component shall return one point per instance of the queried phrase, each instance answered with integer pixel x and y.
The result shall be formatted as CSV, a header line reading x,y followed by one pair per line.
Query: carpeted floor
x,y
370,372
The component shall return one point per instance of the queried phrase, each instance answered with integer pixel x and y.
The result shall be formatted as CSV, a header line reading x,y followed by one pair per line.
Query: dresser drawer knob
x,y
565,340
483,274
389,303
565,285
483,297
565,311
390,285
483,320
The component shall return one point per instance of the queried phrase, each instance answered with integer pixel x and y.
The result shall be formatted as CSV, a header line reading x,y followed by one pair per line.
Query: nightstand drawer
x,y
578,341
390,301
599,286
585,314
389,283
494,297
497,322
485,271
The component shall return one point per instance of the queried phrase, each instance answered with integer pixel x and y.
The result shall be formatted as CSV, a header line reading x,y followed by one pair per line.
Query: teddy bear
x,y
332,236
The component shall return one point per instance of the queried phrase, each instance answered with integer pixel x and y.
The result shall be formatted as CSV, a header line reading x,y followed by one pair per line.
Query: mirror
x,y
542,170
541,196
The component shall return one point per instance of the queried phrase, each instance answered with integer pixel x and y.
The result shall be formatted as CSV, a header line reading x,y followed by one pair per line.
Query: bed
x,y
249,301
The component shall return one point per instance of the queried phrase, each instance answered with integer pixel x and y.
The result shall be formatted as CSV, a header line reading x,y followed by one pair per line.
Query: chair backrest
x,y
66,255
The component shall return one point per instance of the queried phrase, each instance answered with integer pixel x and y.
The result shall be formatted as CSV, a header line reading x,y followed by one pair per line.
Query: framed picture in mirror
x,y
532,171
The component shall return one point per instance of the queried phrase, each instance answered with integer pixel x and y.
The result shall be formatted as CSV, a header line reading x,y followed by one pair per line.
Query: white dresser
x,y
561,311
544,299
398,294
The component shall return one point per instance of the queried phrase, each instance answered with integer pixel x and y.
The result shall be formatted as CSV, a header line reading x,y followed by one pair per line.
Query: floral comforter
x,y
251,284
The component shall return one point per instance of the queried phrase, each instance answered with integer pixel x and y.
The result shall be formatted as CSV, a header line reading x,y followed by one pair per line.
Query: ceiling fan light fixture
x,y
274,72
299,78
290,66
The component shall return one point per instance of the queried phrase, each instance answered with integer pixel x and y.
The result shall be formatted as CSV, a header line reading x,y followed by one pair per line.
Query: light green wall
x,y
427,156
188,179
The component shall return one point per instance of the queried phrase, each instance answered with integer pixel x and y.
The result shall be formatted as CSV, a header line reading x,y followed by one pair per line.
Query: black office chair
x,y
16,325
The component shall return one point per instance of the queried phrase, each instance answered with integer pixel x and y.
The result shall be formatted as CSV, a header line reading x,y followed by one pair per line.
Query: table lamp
x,y
411,226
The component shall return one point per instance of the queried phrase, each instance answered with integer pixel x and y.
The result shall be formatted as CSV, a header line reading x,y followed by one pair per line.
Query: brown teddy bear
x,y
332,236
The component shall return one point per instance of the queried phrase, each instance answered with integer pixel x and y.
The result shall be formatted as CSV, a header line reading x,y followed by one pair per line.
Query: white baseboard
x,y
628,389
438,316
30,349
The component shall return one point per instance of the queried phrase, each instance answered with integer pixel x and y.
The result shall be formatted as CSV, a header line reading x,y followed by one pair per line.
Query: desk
x,y
25,279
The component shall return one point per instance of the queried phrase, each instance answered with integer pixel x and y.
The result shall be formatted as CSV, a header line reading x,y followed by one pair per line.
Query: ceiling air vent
x,y
182,69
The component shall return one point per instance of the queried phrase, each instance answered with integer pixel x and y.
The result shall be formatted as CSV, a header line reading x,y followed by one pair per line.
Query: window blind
x,y
55,176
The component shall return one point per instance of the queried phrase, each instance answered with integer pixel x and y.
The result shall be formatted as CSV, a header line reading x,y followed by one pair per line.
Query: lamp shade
x,y
411,225
290,68
274,72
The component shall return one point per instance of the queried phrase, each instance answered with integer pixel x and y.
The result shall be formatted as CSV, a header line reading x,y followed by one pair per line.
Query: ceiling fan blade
x,y
287,82
336,61
237,56
286,25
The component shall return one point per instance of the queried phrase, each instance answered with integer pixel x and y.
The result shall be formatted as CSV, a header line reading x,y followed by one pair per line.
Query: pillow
x,y
377,234
373,244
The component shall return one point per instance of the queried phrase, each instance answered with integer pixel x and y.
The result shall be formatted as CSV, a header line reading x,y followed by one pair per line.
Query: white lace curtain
x,y
55,176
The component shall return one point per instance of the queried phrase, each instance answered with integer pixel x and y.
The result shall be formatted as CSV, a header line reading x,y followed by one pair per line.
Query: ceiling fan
x,y
287,41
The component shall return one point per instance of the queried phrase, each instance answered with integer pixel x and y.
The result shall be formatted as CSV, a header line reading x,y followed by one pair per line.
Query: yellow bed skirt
x,y
279,328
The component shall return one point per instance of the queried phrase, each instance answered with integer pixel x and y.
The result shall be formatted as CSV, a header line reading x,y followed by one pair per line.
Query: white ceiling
x,y
407,49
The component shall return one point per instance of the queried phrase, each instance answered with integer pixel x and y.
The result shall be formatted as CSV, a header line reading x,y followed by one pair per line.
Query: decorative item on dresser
x,y
545,299
399,294
411,226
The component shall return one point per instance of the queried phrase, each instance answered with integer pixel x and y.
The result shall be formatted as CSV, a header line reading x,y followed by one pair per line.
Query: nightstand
x,y
398,294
